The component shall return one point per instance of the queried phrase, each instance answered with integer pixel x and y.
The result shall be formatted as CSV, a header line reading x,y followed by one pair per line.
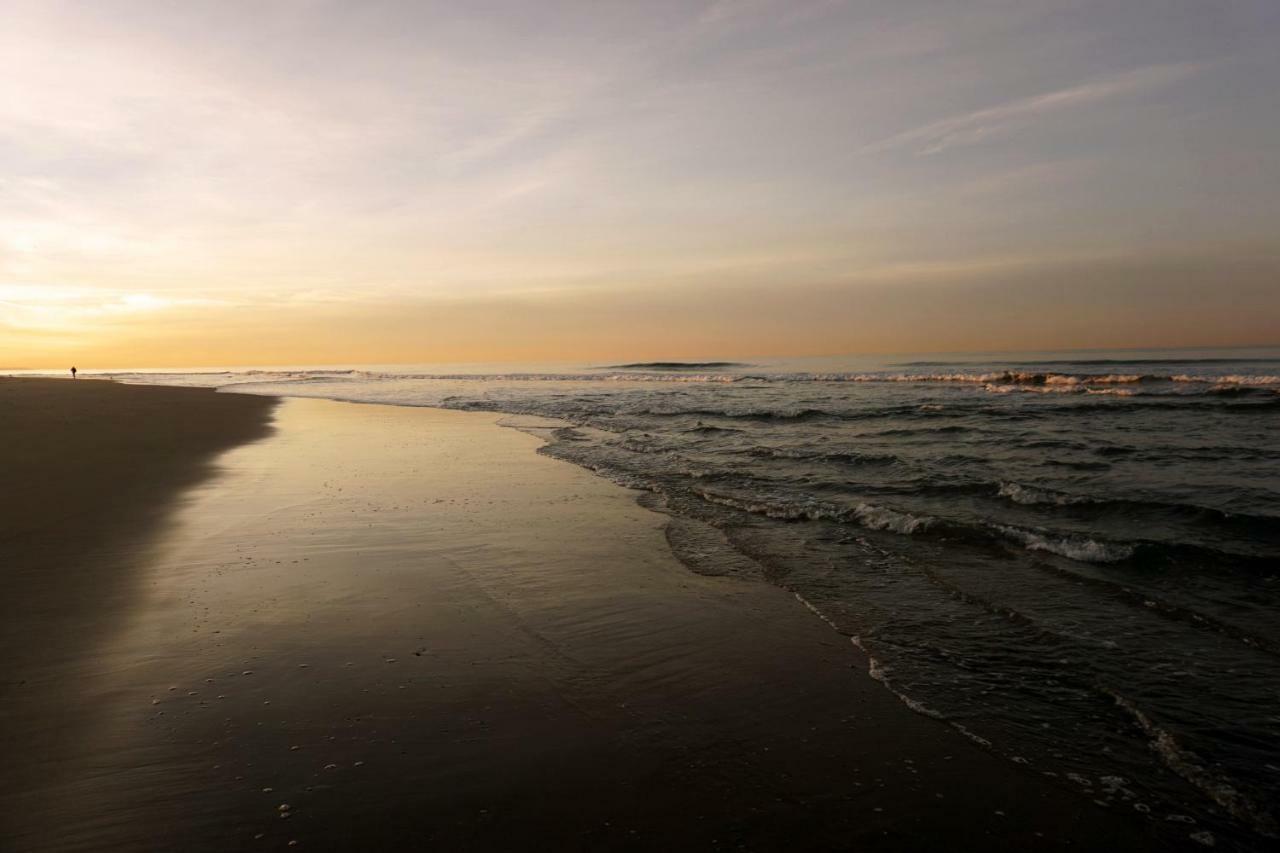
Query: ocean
x,y
1071,558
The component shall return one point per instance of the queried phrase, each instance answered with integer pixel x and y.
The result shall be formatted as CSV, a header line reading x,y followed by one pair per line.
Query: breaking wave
x,y
1077,548
1031,496
865,514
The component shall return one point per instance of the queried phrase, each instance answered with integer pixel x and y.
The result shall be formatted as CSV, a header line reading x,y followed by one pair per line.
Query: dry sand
x,y
389,628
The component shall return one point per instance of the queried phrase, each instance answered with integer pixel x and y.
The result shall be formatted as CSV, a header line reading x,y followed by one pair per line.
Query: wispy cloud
x,y
974,127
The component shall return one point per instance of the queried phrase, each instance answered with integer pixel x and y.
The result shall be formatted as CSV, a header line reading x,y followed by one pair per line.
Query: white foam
x,y
868,515
1072,547
992,388
1112,392
1220,789
880,673
1030,496
880,518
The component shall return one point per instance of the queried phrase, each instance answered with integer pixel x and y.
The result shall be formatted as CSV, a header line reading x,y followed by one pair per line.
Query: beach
x,y
247,624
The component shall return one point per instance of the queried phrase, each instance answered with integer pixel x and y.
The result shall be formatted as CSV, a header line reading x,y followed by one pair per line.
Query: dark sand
x,y
417,633
90,476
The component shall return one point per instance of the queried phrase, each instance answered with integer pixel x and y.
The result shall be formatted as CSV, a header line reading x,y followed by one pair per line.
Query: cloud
x,y
974,127
315,161
722,11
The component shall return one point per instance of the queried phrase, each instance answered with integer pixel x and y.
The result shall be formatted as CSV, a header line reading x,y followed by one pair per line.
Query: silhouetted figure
x,y
73,373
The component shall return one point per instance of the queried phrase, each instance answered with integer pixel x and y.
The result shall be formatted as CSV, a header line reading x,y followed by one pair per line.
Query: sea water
x,y
1072,558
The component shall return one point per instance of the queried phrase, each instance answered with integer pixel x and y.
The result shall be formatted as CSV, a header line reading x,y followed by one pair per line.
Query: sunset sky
x,y
323,182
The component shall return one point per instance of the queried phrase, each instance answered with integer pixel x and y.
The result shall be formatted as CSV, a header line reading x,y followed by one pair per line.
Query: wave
x,y
1086,362
1221,790
674,365
1258,526
1165,555
950,429
707,428
1080,548
1012,377
992,388
882,518
1076,464
750,414
867,515
1210,452
844,457
879,671
1005,381
1208,401
1108,384
1183,386
910,412
1233,379
1030,495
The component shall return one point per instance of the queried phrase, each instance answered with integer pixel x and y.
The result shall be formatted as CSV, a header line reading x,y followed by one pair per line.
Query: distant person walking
x,y
73,373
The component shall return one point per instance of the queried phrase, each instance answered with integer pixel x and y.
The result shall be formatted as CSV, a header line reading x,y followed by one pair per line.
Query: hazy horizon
x,y
321,183
1263,352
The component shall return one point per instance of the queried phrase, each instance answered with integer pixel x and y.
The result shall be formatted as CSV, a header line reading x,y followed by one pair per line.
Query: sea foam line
x,y
1184,763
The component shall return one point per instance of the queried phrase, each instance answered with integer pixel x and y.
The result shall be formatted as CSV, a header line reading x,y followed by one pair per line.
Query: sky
x,y
313,182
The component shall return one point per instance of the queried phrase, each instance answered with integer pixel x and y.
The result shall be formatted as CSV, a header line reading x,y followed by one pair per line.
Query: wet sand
x,y
91,475
391,628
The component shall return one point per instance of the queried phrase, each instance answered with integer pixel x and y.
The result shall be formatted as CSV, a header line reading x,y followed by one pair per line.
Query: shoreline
x,y
456,640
